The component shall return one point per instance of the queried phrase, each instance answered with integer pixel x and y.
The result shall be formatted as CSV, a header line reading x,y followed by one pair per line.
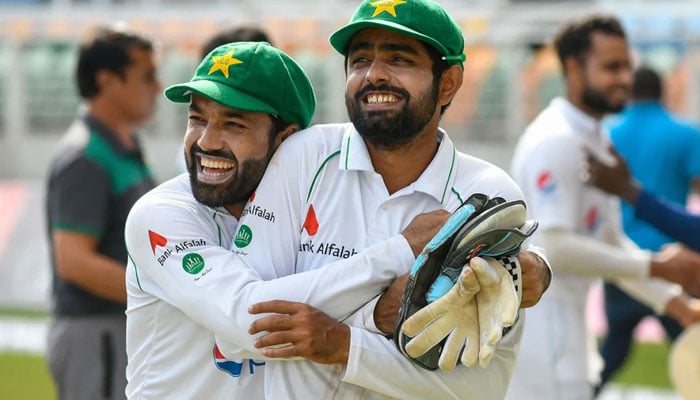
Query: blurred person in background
x,y
663,154
245,33
95,177
580,226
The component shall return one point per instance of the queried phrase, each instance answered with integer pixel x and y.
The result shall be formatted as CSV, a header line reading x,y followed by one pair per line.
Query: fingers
x,y
615,154
509,303
470,354
430,337
485,271
468,284
420,319
275,339
451,351
277,307
272,323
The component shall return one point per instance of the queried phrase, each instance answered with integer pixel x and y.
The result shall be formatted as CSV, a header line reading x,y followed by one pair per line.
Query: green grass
x,y
24,376
647,366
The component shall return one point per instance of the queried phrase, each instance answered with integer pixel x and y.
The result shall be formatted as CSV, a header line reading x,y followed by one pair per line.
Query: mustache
x,y
383,88
195,150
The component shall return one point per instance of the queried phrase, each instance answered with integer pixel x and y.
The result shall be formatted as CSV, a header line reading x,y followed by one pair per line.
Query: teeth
x,y
216,164
381,98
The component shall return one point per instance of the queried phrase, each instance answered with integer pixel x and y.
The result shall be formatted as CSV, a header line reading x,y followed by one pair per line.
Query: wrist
x,y
630,192
343,352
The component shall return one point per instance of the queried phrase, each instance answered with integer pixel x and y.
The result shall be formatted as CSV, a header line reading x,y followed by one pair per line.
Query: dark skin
x,y
614,179
380,58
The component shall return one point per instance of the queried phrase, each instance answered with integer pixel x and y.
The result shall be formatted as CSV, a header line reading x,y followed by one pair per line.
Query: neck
x,y
236,209
578,103
121,127
402,166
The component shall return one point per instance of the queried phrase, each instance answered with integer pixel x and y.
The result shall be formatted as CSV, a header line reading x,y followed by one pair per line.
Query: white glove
x,y
472,315
497,301
454,314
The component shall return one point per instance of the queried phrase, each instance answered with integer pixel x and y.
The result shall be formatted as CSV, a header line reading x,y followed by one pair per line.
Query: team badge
x,y
156,240
192,263
311,222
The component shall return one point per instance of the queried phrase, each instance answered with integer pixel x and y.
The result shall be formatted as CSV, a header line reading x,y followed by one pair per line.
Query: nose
x,y
210,139
377,73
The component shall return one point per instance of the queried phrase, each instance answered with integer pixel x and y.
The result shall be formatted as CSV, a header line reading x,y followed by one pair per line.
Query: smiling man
x,y
357,184
183,284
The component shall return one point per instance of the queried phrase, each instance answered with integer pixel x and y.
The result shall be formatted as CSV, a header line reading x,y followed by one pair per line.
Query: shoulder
x,y
319,138
477,175
310,147
169,202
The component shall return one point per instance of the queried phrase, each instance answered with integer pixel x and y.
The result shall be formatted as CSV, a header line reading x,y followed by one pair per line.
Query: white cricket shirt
x,y
328,203
184,286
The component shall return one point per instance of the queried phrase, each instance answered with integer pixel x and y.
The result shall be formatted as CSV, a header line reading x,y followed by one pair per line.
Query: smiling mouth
x,y
214,170
381,100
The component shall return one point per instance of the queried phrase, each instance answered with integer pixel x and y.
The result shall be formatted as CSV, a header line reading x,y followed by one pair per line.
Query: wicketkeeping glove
x,y
494,228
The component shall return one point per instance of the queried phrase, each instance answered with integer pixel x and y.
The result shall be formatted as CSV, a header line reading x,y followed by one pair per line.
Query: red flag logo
x,y
311,223
156,240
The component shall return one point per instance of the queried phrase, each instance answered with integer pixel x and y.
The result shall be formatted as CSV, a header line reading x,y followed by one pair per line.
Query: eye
x,y
235,124
359,60
195,119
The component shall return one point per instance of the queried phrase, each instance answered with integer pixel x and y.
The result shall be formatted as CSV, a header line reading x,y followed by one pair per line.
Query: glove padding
x,y
481,227
471,316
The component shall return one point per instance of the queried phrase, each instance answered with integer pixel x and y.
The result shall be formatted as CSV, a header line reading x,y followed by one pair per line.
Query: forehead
x,y
204,104
142,57
609,47
384,39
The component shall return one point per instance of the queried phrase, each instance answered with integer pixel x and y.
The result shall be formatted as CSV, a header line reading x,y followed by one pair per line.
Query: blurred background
x,y
510,75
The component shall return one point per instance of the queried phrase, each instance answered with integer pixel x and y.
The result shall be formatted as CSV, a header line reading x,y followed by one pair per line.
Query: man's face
x,y
390,92
227,151
607,74
137,92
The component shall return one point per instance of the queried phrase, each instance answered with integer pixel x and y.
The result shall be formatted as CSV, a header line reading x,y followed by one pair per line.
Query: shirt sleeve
x,y
375,364
214,287
670,218
80,196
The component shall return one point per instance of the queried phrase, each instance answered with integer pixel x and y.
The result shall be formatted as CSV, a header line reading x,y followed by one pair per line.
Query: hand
x,y
615,179
423,227
684,309
299,330
455,316
387,309
497,302
536,277
676,263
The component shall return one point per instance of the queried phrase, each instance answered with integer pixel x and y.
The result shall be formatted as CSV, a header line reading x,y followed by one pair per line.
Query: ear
x,y
291,128
450,82
573,67
103,79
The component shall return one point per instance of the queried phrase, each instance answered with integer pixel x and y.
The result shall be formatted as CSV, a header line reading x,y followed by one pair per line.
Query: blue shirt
x,y
670,218
663,153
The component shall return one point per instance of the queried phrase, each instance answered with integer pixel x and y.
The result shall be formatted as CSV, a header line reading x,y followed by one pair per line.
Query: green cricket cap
x,y
425,20
252,76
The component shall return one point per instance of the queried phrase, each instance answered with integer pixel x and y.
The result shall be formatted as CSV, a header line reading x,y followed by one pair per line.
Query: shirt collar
x,y
583,124
436,180
110,137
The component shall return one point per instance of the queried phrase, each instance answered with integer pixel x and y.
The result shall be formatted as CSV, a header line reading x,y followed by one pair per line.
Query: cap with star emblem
x,y
425,20
252,76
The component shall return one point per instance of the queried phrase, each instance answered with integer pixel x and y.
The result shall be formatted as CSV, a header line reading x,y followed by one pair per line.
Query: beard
x,y
237,189
386,131
595,100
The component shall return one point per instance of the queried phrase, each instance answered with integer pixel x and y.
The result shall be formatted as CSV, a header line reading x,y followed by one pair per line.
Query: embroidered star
x,y
386,6
221,63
